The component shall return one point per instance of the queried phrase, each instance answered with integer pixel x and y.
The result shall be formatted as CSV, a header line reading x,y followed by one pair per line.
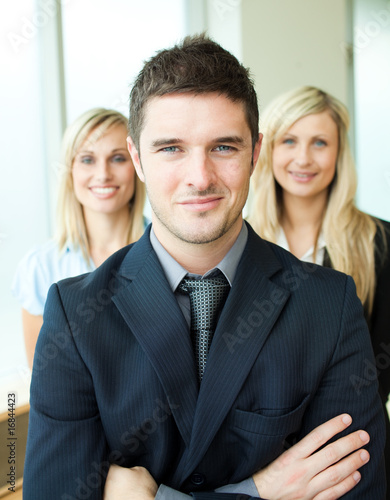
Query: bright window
x,y
105,45
23,205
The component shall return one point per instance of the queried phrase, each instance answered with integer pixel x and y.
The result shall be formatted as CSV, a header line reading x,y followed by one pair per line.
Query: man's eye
x,y
170,149
224,148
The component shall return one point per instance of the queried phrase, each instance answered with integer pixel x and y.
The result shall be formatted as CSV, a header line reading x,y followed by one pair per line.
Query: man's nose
x,y
201,171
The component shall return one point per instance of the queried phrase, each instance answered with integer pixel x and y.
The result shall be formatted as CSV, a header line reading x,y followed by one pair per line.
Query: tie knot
x,y
205,285
207,297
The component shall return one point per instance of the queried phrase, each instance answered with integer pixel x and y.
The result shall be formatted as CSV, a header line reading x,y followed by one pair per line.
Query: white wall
x,y
372,104
23,192
291,43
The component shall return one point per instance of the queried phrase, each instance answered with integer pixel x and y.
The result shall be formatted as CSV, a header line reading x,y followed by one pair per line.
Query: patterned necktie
x,y
207,297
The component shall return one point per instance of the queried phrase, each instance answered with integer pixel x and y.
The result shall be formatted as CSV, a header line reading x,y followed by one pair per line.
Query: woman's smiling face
x,y
304,158
103,173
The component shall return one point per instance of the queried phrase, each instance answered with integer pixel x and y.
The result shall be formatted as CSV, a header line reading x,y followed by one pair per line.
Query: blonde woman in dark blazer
x,y
303,191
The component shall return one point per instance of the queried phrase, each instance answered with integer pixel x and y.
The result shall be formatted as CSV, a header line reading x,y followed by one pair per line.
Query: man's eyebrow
x,y
236,139
158,143
230,139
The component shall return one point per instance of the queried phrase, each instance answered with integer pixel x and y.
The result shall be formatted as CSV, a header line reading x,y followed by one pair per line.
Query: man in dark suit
x,y
124,382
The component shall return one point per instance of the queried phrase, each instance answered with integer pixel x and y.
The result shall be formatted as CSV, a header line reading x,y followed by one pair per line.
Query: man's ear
x,y
256,152
135,158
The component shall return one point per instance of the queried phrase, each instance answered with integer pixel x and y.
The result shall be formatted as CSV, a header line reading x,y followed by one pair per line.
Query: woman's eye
x,y
320,143
288,141
118,159
87,160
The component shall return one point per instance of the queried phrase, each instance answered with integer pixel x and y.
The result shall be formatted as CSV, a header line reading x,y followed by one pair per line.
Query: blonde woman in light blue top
x,y
100,210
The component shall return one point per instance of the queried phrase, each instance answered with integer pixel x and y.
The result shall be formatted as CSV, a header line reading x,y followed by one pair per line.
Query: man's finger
x,y
341,448
340,489
319,436
336,475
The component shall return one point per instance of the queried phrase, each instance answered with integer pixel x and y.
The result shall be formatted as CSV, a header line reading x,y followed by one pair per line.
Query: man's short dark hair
x,y
197,65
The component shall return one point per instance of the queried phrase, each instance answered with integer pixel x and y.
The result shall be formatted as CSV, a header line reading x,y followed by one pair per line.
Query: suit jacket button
x,y
197,479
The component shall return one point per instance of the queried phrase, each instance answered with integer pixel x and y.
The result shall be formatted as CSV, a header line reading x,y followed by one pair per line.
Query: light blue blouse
x,y
43,266
40,268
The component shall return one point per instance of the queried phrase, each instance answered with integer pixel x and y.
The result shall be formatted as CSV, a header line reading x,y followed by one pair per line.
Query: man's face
x,y
195,157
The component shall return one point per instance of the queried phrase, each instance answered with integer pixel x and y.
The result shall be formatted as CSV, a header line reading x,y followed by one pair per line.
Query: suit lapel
x,y
245,323
151,311
154,317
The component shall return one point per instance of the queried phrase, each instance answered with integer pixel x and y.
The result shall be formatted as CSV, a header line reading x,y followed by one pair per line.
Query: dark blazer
x,y
379,326
379,323
114,376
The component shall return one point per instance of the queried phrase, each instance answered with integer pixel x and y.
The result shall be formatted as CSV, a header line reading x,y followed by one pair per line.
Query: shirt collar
x,y
71,248
309,255
175,272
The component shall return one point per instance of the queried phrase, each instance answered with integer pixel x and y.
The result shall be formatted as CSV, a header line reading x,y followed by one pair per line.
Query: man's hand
x,y
129,484
325,475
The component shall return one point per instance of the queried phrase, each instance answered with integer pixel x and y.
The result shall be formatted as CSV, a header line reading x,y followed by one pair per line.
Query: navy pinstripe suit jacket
x,y
114,376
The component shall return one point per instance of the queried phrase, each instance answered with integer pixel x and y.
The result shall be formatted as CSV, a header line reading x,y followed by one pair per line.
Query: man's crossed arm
x,y
306,471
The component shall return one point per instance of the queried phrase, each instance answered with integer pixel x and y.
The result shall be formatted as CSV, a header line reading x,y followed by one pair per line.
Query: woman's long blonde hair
x,y
71,226
349,233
